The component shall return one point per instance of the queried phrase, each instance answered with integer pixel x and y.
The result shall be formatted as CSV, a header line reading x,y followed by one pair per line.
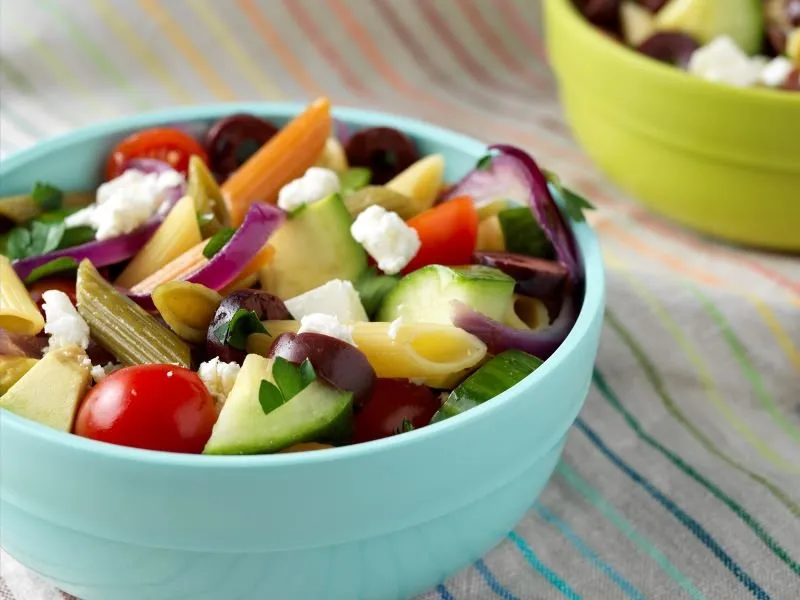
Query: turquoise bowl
x,y
380,521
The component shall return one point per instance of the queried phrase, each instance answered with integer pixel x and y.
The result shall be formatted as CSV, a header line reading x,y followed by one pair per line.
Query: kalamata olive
x,y
231,141
396,406
792,83
653,5
670,47
266,307
600,12
538,278
14,344
340,363
385,151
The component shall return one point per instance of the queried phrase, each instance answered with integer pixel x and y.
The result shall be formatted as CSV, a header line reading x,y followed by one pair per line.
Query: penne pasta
x,y
178,233
187,308
179,268
207,196
420,182
12,368
408,351
122,327
333,156
285,157
525,312
18,313
378,195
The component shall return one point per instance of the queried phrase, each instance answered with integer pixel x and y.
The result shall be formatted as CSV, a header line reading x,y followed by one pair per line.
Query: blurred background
x,y
696,390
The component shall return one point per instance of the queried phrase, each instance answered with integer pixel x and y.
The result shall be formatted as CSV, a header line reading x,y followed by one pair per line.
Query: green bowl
x,y
722,160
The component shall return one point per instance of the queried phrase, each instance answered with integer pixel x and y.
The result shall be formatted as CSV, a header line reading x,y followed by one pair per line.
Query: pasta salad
x,y
271,289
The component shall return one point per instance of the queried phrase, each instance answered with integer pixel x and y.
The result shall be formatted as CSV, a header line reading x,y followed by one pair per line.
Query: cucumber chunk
x,y
496,376
319,412
425,295
523,234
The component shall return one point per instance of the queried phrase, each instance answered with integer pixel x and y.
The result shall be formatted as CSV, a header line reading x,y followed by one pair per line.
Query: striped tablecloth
x,y
681,478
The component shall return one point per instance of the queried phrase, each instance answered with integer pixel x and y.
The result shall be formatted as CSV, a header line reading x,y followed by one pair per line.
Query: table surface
x,y
681,476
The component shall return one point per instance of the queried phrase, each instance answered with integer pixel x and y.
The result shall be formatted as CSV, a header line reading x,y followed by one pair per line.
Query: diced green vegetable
x,y
354,179
426,295
124,328
496,376
523,234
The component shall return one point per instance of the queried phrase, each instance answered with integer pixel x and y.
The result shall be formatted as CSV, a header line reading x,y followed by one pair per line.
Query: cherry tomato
x,y
448,234
155,407
173,146
392,402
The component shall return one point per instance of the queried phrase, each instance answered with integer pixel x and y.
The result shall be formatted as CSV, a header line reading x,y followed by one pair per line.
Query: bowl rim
x,y
587,242
567,10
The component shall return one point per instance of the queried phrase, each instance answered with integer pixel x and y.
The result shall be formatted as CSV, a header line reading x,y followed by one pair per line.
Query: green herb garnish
x,y
404,427
234,333
574,204
36,240
484,162
269,396
372,288
290,380
76,236
47,197
354,179
217,242
57,265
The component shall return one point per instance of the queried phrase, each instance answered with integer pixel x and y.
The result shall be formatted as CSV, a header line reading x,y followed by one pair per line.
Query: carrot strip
x,y
283,158
179,268
247,276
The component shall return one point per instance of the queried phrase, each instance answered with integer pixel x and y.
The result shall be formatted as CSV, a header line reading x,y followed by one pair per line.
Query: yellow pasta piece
x,y
187,308
421,181
409,351
23,207
18,313
180,268
178,233
207,196
12,368
490,235
332,156
527,313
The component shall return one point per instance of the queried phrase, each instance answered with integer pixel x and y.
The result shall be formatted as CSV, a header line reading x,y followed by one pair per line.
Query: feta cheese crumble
x,y
337,298
316,184
219,377
777,71
326,325
386,237
62,322
126,202
395,327
100,372
722,61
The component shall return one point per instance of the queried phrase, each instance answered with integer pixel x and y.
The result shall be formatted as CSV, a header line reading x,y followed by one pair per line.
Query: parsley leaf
x,y
574,204
218,241
37,239
17,243
307,372
354,179
47,197
269,396
287,377
404,427
64,263
76,236
372,288
235,332
484,162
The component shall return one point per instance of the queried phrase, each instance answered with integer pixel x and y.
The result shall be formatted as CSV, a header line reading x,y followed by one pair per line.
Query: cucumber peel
x,y
496,376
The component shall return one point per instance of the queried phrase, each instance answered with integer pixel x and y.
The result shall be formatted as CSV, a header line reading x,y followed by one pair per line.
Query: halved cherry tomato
x,y
448,232
392,402
173,146
155,407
